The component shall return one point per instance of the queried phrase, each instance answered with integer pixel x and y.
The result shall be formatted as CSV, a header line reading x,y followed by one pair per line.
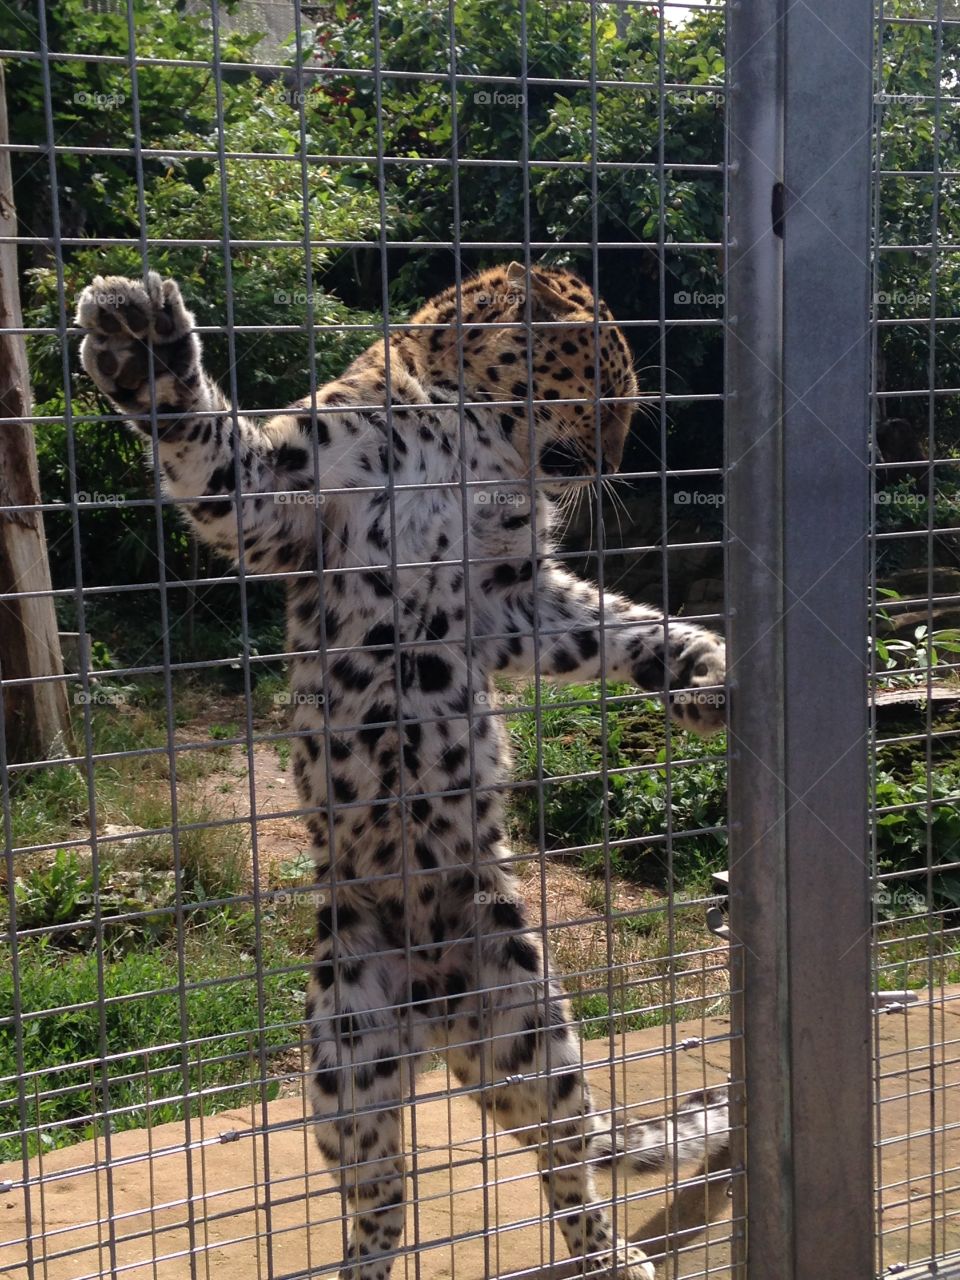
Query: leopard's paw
x,y
700,701
126,319
626,1262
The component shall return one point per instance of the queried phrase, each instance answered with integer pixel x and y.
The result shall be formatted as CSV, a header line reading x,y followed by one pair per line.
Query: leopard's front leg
x,y
204,449
632,643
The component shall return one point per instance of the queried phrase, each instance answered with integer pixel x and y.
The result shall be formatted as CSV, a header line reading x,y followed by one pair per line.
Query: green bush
x,y
638,799
98,197
639,802
906,840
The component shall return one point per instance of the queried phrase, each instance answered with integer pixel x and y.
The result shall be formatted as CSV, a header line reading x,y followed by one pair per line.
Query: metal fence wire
x,y
385,701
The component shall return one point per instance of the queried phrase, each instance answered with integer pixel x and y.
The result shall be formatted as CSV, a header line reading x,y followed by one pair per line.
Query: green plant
x,y
923,830
907,661
58,893
641,792
48,804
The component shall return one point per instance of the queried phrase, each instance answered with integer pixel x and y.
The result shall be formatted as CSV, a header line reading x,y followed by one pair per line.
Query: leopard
x,y
410,506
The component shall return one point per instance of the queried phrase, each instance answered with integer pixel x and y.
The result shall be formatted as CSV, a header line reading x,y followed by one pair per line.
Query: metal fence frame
x,y
798,289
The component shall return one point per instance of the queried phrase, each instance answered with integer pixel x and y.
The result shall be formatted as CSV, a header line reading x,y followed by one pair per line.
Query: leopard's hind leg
x,y
521,1053
364,1051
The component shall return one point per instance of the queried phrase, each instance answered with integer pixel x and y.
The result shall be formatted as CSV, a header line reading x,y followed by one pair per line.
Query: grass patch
x,y
54,803
68,1084
142,906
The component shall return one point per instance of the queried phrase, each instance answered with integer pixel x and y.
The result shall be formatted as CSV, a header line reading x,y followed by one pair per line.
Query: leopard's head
x,y
571,340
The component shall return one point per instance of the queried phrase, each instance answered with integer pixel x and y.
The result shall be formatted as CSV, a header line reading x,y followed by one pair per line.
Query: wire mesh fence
x,y
225,784
913,639
371,701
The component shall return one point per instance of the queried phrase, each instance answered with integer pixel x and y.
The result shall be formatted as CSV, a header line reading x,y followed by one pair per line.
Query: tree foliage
x,y
577,85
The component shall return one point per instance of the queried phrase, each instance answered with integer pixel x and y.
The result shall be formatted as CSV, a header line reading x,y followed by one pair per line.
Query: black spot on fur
x,y
438,626
434,672
562,660
344,790
377,713
382,633
507,915
424,855
380,583
349,674
522,952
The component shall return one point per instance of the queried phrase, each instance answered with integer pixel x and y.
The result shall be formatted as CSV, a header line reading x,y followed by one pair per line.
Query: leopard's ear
x,y
546,302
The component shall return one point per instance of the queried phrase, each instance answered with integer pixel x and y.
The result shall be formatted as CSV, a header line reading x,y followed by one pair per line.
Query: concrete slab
x,y
245,1196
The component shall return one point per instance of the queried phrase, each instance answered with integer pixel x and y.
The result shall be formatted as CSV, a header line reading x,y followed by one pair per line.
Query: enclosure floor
x,y
246,1235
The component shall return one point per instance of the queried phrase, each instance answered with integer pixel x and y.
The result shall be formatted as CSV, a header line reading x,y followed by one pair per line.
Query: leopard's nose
x,y
612,453
613,436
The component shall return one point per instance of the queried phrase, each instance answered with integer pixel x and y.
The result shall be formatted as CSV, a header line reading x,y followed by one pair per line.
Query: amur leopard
x,y
413,527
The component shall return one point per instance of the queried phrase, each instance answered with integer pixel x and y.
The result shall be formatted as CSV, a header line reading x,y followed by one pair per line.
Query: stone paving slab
x,y
475,1219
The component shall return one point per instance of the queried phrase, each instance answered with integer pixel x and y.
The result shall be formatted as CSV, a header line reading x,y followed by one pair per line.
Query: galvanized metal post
x,y
797,424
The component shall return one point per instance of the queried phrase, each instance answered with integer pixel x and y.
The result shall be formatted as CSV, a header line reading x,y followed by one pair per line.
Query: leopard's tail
x,y
699,1130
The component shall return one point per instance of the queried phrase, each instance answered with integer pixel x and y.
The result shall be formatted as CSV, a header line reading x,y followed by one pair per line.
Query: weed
x,y
59,893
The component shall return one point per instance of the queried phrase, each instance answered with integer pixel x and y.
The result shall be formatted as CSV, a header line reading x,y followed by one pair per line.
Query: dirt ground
x,y
243,1194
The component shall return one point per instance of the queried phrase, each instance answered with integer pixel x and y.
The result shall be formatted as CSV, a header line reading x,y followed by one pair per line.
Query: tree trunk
x,y
36,715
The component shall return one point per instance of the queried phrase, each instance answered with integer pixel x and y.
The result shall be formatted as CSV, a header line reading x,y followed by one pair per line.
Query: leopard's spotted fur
x,y
406,525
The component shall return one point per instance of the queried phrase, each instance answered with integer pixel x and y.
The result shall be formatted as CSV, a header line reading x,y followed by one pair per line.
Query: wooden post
x,y
36,715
